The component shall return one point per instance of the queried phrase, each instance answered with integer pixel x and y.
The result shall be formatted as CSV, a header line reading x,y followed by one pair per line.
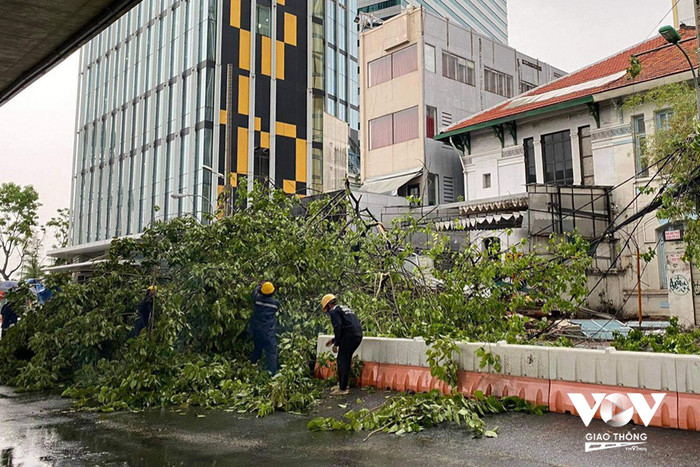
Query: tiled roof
x,y
601,76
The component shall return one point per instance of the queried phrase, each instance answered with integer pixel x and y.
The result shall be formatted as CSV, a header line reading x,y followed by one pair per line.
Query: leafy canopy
x,y
18,218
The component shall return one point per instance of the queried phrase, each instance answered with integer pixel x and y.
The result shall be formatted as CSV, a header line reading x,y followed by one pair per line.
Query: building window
x,y
586,154
525,86
264,20
261,164
392,66
431,116
404,61
557,75
380,132
457,68
379,6
530,165
498,83
429,53
486,181
394,128
379,71
558,165
406,125
663,119
640,135
432,189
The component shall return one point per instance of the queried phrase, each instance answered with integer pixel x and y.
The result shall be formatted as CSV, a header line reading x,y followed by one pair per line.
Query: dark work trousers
x,y
269,345
347,347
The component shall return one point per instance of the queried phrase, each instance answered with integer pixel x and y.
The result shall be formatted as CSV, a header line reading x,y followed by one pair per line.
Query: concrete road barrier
x,y
543,375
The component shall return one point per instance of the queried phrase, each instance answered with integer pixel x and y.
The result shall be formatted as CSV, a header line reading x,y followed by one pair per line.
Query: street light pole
x,y
673,37
193,196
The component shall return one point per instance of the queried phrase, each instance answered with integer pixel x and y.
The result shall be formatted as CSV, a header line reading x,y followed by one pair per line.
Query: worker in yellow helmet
x,y
347,338
263,325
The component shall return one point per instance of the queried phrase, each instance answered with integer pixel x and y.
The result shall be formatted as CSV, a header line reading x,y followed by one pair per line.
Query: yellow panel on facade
x,y
280,60
222,117
243,94
266,54
286,129
265,139
301,161
236,13
244,50
281,2
289,186
242,159
290,29
258,123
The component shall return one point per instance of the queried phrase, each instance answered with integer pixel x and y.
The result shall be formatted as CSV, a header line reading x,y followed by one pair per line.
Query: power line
x,y
621,307
619,254
662,18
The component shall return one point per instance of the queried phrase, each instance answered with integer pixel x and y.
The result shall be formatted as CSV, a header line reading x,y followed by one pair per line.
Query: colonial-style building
x,y
570,155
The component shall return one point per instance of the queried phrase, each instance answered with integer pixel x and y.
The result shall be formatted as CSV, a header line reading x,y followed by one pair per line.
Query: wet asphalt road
x,y
40,429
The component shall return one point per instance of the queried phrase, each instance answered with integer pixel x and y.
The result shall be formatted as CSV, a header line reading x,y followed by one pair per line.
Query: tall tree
x,y
674,150
18,218
32,267
61,224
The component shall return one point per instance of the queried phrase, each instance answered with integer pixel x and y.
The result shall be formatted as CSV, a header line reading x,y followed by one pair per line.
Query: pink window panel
x,y
380,132
379,71
405,61
406,125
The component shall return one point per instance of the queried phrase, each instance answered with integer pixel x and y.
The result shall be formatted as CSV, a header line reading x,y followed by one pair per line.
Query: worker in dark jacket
x,y
145,311
348,336
9,317
263,325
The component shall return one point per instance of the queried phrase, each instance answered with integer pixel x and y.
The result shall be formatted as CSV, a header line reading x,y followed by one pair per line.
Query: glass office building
x,y
488,17
177,91
145,119
342,70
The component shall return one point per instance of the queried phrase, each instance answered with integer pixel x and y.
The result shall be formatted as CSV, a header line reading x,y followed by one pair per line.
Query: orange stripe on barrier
x,y
531,389
689,411
409,378
665,416
370,371
325,370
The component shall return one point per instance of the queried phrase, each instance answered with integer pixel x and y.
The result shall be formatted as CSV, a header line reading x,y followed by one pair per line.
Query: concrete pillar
x,y
539,161
680,286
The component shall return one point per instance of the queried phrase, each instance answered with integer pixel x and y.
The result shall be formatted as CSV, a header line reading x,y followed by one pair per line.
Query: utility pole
x,y
228,150
697,27
639,290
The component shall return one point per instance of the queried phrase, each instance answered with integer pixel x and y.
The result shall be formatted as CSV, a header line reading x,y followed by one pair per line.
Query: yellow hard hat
x,y
326,300
267,288
152,288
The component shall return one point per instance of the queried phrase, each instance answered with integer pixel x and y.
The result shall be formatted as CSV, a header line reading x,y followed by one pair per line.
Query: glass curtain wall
x,y
145,119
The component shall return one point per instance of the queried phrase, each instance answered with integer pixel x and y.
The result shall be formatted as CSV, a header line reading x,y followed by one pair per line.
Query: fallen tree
x,y
197,352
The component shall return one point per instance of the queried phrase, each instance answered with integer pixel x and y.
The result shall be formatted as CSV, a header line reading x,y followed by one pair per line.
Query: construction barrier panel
x,y
560,402
614,368
688,373
541,375
689,411
531,389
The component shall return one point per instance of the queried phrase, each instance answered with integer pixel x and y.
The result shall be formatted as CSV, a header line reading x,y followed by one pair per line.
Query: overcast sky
x,y
37,126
